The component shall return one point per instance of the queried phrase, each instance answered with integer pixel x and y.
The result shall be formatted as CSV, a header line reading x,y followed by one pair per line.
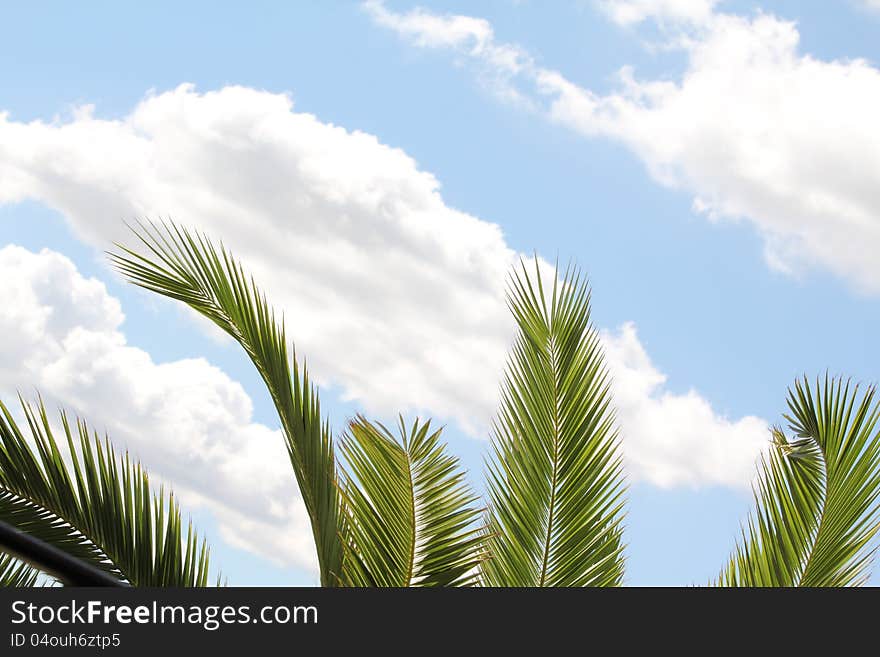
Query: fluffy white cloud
x,y
630,12
754,129
393,296
187,421
346,234
672,439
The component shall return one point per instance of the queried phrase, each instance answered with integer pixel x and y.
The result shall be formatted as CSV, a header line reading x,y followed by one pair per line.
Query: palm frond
x,y
816,509
412,515
93,504
186,266
14,573
554,479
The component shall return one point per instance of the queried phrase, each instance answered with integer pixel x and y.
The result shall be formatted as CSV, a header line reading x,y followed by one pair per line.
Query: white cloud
x,y
675,439
432,30
346,234
392,295
187,421
754,130
872,4
630,12
471,36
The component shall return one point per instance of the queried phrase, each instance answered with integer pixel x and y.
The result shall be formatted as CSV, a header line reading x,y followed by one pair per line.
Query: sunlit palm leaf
x,y
555,485
816,496
93,504
16,573
412,514
187,267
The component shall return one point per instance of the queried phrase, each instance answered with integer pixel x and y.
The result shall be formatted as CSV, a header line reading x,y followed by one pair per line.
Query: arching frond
x,y
93,504
412,516
816,495
555,485
186,266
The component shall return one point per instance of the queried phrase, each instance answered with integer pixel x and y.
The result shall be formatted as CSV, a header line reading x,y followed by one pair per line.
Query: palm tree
x,y
555,480
91,503
395,510
816,497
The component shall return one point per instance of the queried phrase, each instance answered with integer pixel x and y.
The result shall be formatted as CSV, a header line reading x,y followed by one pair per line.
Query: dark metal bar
x,y
48,558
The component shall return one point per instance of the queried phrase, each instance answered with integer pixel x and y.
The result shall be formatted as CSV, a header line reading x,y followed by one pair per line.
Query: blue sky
x,y
520,115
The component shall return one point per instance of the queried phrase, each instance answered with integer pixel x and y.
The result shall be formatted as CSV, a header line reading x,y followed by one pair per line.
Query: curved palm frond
x,y
555,484
14,573
93,504
186,266
412,516
816,495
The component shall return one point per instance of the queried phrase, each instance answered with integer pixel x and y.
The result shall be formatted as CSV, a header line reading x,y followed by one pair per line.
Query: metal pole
x,y
48,558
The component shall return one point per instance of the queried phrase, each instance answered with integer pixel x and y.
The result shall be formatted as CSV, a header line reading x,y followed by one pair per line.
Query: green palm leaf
x,y
93,504
187,267
816,496
412,516
16,573
555,484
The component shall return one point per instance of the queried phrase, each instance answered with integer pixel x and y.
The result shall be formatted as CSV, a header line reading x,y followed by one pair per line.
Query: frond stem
x,y
556,430
822,520
412,495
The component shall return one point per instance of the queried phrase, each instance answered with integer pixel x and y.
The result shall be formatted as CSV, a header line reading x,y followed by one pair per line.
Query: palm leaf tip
x,y
554,478
83,498
183,265
413,519
816,512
